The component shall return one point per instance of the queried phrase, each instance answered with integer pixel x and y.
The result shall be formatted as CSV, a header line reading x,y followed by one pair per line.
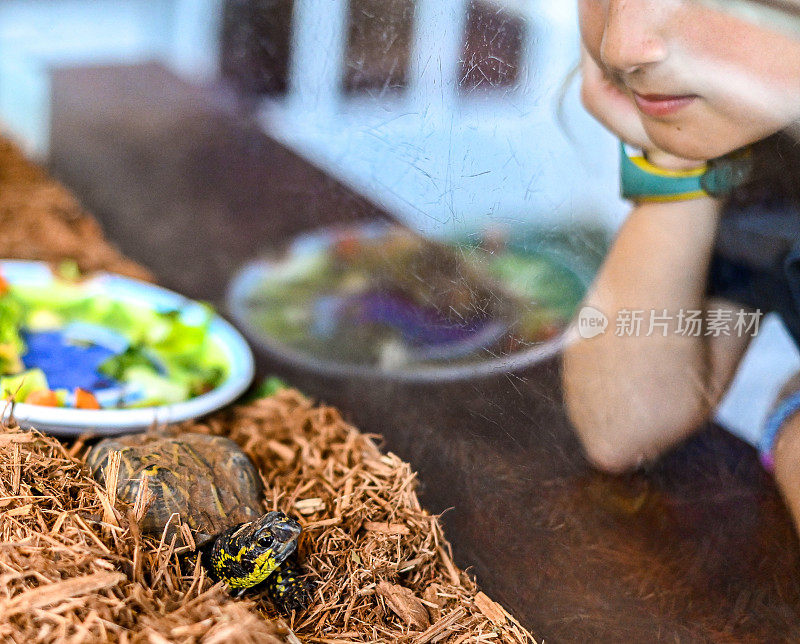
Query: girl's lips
x,y
660,105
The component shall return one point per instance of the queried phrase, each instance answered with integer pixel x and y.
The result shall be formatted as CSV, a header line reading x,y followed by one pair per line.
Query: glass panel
x,y
255,44
439,264
492,53
378,45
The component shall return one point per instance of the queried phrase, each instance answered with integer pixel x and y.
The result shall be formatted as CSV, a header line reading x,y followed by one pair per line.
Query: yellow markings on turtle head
x,y
263,567
224,556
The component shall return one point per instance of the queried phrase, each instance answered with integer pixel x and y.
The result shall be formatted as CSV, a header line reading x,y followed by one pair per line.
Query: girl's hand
x,y
609,102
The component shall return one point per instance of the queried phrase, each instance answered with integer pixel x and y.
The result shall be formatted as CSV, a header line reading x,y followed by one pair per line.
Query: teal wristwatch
x,y
641,181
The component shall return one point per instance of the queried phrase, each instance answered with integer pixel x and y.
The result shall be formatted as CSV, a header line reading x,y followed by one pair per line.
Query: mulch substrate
x,y
74,566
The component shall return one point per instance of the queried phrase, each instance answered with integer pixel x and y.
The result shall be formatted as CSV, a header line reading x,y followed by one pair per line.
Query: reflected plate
x,y
296,260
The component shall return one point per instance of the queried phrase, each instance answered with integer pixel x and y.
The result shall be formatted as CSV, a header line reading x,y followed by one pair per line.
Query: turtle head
x,y
249,553
277,533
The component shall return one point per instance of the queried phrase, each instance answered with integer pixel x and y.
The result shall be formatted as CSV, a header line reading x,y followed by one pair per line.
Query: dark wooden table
x,y
698,547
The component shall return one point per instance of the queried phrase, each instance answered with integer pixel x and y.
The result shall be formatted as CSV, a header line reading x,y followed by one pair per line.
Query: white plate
x,y
70,422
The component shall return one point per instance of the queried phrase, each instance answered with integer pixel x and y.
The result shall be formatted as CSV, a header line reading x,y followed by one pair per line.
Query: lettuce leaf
x,y
20,385
11,344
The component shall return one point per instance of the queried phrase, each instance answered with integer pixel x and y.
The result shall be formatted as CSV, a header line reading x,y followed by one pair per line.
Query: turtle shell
x,y
207,480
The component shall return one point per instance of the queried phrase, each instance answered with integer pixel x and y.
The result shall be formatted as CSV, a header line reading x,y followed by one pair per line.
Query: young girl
x,y
697,90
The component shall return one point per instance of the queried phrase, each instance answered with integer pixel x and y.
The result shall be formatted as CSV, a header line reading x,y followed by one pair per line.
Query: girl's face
x,y
704,82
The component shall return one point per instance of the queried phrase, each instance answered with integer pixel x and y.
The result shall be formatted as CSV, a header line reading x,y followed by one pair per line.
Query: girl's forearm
x,y
632,396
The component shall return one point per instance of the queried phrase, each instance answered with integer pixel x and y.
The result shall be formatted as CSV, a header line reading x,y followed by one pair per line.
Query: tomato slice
x,y
43,398
85,399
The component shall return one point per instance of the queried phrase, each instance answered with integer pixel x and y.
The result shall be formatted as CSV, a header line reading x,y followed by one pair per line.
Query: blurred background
x,y
444,112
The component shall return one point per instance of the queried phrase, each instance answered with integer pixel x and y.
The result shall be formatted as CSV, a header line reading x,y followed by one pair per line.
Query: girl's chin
x,y
694,145
700,139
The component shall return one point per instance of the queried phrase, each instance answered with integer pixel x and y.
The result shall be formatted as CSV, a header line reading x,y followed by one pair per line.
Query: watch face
x,y
727,173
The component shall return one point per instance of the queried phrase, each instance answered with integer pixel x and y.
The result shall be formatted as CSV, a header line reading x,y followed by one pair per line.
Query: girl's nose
x,y
633,35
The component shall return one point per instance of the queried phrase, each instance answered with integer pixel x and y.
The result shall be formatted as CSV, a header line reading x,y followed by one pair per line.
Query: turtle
x,y
214,487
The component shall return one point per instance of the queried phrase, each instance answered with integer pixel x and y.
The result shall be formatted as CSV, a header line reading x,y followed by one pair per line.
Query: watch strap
x,y
785,410
640,180
643,181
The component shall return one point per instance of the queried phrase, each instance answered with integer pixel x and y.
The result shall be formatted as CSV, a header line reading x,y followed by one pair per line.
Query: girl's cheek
x,y
746,49
592,24
751,76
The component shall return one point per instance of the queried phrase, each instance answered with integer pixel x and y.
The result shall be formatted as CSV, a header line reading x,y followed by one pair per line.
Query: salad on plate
x,y
66,343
